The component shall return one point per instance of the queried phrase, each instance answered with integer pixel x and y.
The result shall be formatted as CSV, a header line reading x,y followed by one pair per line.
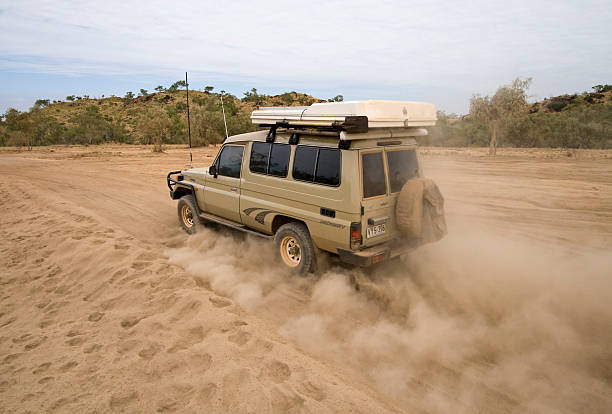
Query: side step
x,y
233,225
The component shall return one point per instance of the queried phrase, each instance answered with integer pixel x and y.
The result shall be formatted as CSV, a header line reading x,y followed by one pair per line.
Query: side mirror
x,y
212,170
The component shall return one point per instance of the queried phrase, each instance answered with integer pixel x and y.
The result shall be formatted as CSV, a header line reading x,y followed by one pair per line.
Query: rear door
x,y
383,173
222,193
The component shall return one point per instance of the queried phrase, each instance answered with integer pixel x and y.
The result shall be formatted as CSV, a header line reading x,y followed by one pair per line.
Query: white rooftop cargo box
x,y
355,116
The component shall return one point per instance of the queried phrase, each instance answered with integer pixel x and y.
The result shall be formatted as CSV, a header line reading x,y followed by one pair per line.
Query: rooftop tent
x,y
354,116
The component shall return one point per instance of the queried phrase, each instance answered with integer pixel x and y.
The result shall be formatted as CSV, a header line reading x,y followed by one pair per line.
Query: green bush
x,y
556,106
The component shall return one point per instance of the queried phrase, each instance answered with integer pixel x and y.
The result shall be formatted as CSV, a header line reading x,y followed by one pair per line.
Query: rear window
x,y
270,159
318,165
402,166
373,174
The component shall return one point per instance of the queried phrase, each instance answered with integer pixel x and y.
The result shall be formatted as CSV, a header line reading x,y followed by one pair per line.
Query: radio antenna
x,y
188,123
224,121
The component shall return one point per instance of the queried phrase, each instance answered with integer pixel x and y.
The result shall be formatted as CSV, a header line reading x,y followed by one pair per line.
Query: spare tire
x,y
409,208
420,211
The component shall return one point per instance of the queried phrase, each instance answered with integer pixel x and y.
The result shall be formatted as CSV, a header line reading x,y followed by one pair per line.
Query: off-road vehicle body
x,y
326,179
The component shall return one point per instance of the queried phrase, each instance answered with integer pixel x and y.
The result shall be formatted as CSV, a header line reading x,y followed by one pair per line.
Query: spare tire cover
x,y
409,208
420,210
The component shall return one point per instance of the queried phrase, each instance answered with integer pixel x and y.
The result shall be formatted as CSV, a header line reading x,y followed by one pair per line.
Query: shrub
x,y
556,106
41,103
602,88
154,125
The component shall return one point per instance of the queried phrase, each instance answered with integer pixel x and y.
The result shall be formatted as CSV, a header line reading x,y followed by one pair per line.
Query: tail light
x,y
355,235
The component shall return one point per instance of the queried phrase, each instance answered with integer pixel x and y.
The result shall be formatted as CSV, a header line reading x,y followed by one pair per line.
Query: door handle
x,y
234,189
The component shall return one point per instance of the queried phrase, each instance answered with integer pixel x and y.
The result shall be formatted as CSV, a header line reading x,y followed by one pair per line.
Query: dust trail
x,y
475,322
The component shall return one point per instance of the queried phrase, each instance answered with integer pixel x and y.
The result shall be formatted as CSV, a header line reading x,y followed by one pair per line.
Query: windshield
x,y
402,166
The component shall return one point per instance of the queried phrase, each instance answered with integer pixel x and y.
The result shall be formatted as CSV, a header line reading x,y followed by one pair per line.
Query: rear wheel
x,y
187,214
295,248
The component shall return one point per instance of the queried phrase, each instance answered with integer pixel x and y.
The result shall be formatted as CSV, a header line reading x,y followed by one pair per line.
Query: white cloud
x,y
393,47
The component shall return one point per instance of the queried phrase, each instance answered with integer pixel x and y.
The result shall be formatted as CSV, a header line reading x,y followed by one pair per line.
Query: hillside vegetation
x,y
567,121
150,118
504,119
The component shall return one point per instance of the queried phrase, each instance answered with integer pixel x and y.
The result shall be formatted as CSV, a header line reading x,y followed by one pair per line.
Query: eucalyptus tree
x,y
495,111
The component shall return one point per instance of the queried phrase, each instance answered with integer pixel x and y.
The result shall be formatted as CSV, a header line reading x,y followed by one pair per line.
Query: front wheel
x,y
295,247
187,214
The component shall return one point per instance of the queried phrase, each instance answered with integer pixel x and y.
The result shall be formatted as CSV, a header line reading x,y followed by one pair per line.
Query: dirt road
x,y
107,306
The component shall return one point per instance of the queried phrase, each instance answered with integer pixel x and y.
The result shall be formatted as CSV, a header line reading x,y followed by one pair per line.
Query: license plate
x,y
375,230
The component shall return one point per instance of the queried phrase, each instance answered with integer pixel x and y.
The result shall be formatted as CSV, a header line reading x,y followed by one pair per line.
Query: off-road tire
x,y
294,235
187,214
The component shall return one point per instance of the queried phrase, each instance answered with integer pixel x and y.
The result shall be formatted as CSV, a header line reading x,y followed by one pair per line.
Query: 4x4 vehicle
x,y
321,177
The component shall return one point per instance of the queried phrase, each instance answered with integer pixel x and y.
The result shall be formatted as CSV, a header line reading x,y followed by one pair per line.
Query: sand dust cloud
x,y
475,321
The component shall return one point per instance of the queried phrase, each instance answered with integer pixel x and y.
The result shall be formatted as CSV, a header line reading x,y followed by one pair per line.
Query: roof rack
x,y
352,116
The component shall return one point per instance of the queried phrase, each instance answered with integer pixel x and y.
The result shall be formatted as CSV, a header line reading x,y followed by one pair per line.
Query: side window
x,y
230,161
373,174
270,159
304,163
260,154
328,167
279,160
318,165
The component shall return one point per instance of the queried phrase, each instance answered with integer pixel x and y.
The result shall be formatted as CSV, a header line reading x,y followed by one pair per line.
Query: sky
x,y
434,51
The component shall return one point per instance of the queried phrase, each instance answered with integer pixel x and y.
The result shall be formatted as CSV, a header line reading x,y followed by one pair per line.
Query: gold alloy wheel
x,y
187,215
290,251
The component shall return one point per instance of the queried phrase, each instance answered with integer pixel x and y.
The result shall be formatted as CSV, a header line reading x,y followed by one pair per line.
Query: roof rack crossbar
x,y
353,124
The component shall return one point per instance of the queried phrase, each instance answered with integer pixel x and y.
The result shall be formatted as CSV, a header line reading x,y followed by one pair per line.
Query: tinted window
x,y
402,166
279,160
304,163
373,175
259,157
230,161
328,167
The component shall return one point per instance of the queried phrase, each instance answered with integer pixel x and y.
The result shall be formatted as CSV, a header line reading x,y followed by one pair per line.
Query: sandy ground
x,y
106,305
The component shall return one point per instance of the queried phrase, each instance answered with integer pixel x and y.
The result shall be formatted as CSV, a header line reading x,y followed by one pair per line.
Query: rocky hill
x,y
602,95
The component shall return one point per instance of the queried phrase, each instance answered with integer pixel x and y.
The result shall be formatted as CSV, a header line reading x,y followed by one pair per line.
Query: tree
x,y
208,89
337,98
154,126
18,128
252,94
176,85
144,92
495,111
41,103
90,127
160,88
129,95
206,128
602,88
70,98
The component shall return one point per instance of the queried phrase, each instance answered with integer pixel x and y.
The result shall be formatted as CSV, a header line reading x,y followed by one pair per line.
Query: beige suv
x,y
326,182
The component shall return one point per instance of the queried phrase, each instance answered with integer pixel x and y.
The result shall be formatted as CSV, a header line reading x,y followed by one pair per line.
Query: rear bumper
x,y
375,254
